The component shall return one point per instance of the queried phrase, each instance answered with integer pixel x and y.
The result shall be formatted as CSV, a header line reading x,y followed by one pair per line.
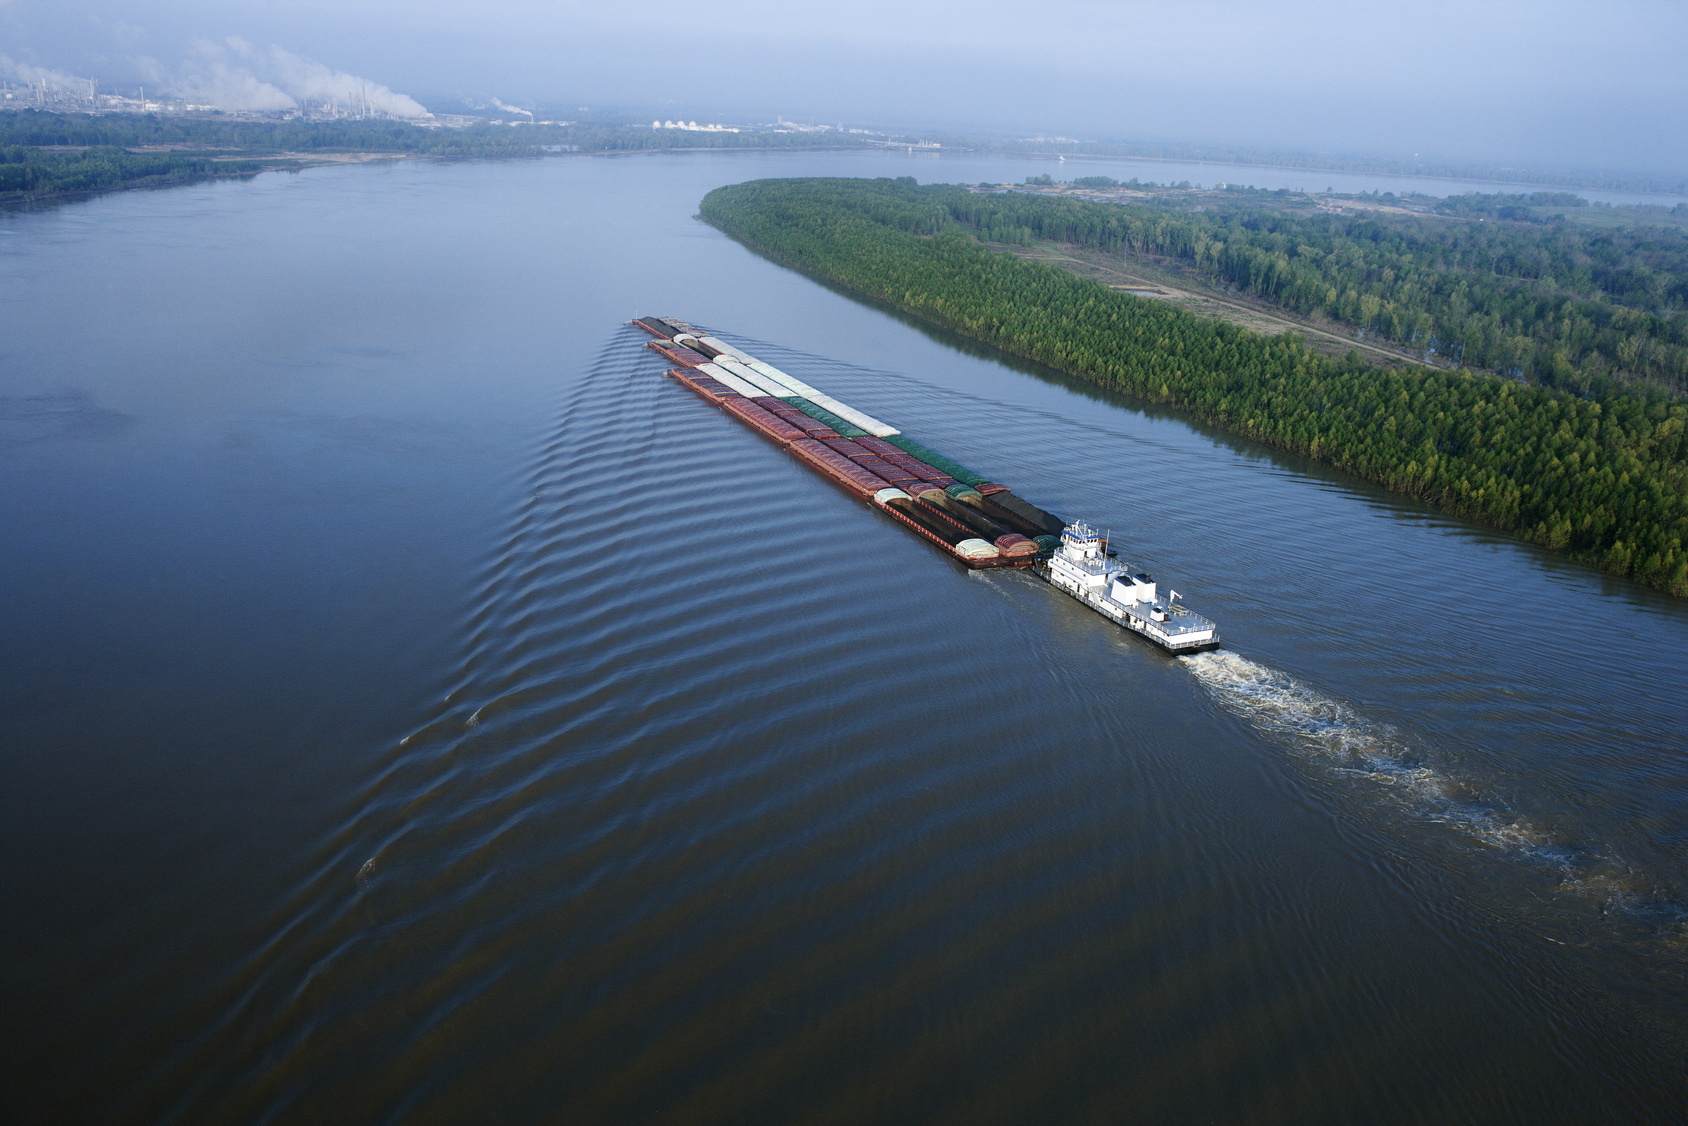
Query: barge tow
x,y
979,523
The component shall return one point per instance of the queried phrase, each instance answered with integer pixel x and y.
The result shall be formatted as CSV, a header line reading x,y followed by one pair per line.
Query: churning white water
x,y
1316,726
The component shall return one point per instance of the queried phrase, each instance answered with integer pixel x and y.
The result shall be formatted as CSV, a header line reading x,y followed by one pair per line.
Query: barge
x,y
979,522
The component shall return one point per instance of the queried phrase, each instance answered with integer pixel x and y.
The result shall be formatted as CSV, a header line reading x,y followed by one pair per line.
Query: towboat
x,y
1084,568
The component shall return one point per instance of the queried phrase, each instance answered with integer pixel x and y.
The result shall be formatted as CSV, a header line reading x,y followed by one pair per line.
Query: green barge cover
x,y
936,460
845,429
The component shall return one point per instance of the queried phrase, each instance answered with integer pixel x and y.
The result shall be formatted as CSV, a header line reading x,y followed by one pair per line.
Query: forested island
x,y
1592,466
31,174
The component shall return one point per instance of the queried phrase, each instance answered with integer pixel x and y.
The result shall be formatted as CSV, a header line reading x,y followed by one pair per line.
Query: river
x,y
417,708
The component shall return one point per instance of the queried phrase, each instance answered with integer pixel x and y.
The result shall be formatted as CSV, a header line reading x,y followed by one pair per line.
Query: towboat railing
x,y
1195,623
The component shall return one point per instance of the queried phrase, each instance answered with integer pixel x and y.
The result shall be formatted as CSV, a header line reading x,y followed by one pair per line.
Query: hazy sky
x,y
1575,85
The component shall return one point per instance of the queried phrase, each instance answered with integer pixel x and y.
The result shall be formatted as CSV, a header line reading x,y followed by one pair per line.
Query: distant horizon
x,y
1543,87
1431,166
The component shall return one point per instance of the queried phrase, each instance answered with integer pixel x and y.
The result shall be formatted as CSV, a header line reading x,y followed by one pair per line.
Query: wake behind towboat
x,y
978,522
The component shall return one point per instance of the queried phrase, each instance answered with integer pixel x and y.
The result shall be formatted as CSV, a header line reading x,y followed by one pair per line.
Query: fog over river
x,y
418,708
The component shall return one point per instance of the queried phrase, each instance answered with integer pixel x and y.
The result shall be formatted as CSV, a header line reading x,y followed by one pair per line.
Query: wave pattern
x,y
1319,727
746,805
1060,454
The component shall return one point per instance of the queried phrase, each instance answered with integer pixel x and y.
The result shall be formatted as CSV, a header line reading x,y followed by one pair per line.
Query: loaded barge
x,y
979,522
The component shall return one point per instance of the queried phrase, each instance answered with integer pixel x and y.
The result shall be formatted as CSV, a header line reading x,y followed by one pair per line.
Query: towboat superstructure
x,y
978,522
1083,567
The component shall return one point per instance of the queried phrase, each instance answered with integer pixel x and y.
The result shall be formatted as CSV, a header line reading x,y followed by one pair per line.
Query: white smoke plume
x,y
510,108
212,79
14,71
233,75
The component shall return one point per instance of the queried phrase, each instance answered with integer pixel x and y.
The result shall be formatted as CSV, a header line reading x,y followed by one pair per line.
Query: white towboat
x,y
1084,569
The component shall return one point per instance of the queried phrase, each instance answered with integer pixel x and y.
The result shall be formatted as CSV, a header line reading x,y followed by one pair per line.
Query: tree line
x,y
43,128
26,172
1560,304
1603,479
132,130
30,173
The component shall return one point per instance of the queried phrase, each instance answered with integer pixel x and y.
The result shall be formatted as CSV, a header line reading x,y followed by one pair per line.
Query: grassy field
x,y
1183,289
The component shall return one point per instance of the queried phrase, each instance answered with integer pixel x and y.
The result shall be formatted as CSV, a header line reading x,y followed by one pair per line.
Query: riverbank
x,y
1602,481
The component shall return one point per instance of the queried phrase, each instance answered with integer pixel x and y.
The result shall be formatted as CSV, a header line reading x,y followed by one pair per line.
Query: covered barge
x,y
980,523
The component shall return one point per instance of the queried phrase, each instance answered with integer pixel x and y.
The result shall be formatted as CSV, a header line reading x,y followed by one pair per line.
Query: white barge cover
x,y
823,400
750,376
731,381
723,346
783,386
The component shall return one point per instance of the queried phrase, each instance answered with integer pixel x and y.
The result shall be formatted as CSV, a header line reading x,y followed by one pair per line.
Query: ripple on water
x,y
703,809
